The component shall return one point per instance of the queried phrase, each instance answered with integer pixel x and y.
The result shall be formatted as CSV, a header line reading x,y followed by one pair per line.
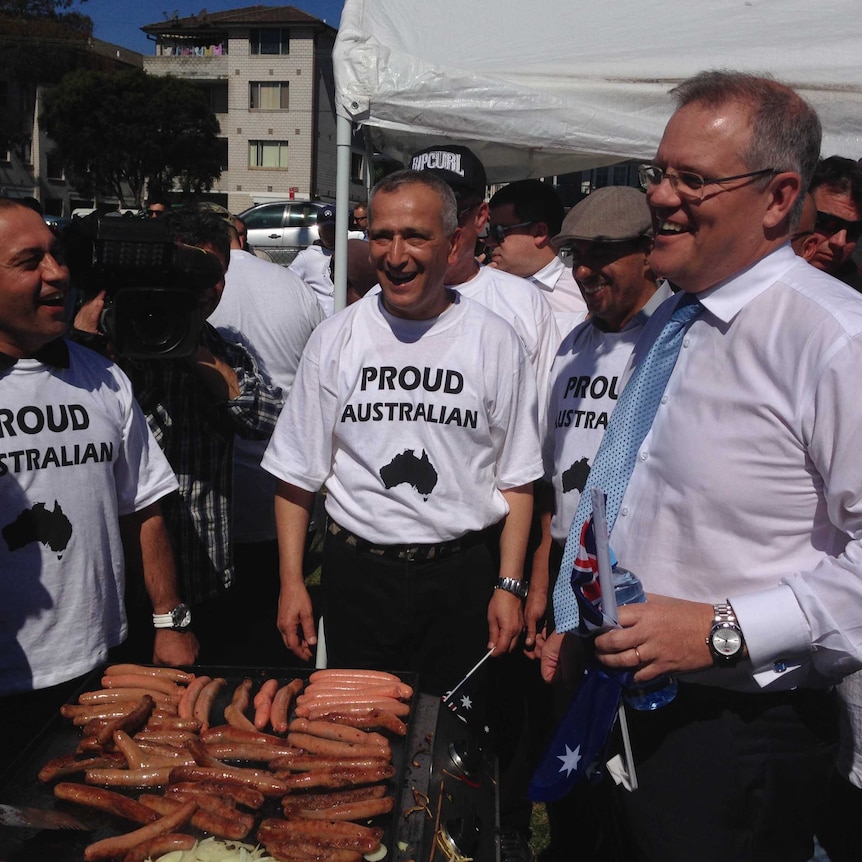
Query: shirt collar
x,y
662,292
727,298
54,353
547,276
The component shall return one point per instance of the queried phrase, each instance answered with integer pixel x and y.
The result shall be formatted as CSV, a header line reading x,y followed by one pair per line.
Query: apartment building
x,y
268,74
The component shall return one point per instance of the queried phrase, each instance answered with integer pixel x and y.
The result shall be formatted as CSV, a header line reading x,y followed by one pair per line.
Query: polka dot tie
x,y
629,423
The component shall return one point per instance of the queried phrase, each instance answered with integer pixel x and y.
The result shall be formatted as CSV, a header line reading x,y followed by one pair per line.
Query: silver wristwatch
x,y
512,585
725,638
178,620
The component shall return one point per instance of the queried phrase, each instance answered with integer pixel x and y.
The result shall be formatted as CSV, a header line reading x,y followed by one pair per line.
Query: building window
x,y
357,168
223,154
267,154
270,41
54,166
216,97
268,95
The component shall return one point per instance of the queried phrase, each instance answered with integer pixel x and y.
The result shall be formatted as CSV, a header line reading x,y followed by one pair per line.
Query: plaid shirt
x,y
196,432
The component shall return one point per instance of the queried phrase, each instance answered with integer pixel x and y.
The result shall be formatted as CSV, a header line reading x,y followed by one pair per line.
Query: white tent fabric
x,y
554,86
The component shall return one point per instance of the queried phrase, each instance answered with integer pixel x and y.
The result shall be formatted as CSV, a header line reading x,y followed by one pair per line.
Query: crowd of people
x,y
688,348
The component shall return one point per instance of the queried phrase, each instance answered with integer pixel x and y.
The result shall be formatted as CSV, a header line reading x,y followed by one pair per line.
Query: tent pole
x,y
343,130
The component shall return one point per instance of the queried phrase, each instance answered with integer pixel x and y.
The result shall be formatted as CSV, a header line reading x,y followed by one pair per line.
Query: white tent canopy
x,y
558,85
552,86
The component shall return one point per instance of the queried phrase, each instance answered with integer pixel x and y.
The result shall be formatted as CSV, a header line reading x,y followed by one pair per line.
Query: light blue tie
x,y
629,423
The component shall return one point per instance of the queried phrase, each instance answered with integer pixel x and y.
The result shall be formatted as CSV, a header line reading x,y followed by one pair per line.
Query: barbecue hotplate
x,y
447,786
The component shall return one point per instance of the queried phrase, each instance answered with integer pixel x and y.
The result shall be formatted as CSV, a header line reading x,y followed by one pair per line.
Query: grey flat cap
x,y
611,214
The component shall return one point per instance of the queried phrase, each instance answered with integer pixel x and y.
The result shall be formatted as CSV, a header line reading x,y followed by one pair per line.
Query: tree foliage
x,y
115,132
40,42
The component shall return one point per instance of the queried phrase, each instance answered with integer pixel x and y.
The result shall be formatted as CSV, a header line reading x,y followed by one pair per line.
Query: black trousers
x,y
730,777
426,617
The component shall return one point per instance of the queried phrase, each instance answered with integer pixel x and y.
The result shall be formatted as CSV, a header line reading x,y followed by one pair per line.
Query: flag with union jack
x,y
585,584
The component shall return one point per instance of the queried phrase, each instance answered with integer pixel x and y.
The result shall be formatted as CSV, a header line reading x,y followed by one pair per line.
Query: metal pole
x,y
343,130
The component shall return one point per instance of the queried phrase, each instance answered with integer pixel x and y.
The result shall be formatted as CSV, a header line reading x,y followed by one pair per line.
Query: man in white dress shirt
x,y
524,218
743,513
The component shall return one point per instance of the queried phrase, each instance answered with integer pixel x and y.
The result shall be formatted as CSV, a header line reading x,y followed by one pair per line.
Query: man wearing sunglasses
x,y
525,216
739,504
837,191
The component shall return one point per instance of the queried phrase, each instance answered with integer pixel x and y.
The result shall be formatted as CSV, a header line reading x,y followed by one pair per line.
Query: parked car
x,y
57,224
282,228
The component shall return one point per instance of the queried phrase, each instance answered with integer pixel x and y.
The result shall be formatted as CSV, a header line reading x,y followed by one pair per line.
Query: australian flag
x,y
579,747
585,584
470,703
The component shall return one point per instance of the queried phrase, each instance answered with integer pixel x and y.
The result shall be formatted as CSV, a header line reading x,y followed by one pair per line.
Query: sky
x,y
119,21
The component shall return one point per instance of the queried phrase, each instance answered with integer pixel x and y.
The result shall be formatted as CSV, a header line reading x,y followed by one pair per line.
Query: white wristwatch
x,y
178,620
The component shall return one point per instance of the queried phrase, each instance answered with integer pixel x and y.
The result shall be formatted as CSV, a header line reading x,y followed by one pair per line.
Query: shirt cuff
x,y
775,630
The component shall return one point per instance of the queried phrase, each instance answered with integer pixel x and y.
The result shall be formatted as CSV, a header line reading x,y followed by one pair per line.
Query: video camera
x,y
152,284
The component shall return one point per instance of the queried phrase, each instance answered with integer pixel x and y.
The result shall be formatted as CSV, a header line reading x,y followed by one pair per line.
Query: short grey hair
x,y
785,129
405,179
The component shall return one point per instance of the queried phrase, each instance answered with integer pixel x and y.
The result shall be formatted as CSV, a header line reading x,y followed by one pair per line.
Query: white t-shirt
x,y
271,312
526,310
414,426
314,266
586,381
75,454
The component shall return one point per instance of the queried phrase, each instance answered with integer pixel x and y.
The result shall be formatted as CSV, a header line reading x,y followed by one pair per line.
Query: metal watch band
x,y
724,621
723,613
515,586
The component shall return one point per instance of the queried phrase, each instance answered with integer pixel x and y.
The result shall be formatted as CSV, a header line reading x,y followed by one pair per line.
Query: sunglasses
x,y
829,225
498,232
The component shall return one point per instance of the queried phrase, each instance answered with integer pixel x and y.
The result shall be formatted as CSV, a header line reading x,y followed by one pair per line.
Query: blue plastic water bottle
x,y
660,691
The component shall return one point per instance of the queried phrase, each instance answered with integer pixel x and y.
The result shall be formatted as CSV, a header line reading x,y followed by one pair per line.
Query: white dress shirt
x,y
748,486
558,285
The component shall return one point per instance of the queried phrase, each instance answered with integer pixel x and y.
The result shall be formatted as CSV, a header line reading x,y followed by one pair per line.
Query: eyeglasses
x,y
498,232
829,225
463,208
688,184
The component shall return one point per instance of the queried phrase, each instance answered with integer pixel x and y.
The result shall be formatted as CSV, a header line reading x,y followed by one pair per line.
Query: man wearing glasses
x,y
741,505
525,216
837,191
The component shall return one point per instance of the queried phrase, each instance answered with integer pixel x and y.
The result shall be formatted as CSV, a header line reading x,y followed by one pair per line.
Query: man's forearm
x,y
293,507
215,374
149,555
516,530
148,552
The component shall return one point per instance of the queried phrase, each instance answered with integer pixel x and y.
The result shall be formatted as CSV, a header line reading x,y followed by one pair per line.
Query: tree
x,y
115,132
39,43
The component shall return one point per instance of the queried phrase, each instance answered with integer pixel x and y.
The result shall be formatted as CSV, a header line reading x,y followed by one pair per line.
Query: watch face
x,y
726,641
182,617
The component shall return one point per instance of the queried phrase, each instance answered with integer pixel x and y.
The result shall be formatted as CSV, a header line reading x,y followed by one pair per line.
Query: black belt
x,y
409,553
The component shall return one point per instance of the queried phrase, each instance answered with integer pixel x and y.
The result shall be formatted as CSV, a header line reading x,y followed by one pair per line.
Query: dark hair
x,y
405,179
196,227
533,201
785,129
28,203
843,175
